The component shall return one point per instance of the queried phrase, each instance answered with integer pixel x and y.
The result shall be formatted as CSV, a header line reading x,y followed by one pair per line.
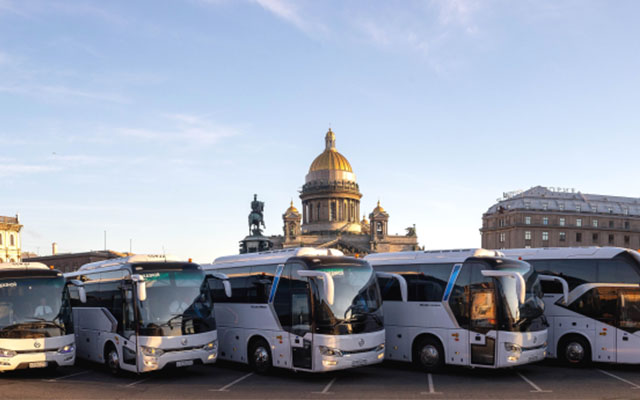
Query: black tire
x,y
260,356
574,351
112,359
428,354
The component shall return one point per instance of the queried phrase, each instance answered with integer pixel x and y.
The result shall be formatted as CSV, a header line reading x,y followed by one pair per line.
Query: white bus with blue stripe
x,y
460,307
303,309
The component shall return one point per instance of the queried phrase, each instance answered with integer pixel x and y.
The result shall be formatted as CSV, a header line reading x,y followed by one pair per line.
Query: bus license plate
x,y
359,363
184,363
42,364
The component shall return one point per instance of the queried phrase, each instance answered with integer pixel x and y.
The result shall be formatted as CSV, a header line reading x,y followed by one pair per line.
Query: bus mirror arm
x,y
81,292
565,285
329,291
225,281
403,283
520,283
141,286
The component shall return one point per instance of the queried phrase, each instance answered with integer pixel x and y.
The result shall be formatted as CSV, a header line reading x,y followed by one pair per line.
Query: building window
x,y
579,222
561,206
12,240
625,211
610,209
595,223
594,238
626,225
527,235
627,240
544,206
527,220
610,239
0,239
527,206
610,224
561,221
332,211
502,237
578,236
594,208
578,208
563,236
545,220
545,236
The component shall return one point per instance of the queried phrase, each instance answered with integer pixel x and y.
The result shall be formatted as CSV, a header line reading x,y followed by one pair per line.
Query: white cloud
x,y
187,129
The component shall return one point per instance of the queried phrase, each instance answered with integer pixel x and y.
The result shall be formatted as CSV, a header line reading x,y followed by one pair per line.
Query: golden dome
x,y
330,159
291,209
379,208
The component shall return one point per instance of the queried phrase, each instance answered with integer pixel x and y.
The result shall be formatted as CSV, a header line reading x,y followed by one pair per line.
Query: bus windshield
x,y
34,308
176,304
522,316
357,303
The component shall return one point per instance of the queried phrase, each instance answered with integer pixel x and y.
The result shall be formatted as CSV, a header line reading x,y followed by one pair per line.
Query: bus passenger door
x,y
628,331
483,324
301,336
604,305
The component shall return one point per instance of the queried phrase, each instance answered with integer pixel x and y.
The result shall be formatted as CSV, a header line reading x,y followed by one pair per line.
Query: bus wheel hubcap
x,y
114,362
575,352
261,356
429,355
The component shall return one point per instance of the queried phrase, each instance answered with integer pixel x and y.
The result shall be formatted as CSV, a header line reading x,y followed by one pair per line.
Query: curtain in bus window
x,y
617,270
629,310
259,283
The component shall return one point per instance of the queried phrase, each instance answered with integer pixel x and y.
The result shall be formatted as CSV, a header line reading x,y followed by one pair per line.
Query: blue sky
x,y
157,120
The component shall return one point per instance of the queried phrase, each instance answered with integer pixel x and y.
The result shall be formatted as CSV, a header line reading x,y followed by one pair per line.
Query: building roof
x,y
330,159
542,198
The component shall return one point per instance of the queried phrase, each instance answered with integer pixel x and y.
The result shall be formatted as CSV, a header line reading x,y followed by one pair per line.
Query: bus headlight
x,y
151,351
66,349
512,347
328,351
7,353
380,347
211,346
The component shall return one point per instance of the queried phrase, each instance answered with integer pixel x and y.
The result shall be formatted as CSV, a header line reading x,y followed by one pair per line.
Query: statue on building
x,y
411,231
256,217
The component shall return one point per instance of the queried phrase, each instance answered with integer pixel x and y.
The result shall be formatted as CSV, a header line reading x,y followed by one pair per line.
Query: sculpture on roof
x,y
256,217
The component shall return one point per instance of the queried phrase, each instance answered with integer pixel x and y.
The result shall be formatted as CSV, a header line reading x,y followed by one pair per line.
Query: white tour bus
x,y
304,309
143,313
36,328
461,307
600,321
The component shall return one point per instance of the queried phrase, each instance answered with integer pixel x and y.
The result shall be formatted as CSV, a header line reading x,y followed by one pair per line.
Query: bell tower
x,y
379,223
291,219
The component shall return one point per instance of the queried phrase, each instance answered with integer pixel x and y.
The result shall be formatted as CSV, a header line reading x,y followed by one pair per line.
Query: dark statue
x,y
256,217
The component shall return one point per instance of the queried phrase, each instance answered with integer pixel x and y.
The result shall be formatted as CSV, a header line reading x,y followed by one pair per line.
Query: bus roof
x,y
25,266
430,256
270,257
543,253
138,258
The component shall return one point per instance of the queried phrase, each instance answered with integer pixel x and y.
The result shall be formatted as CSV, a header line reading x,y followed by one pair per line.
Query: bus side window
x,y
435,281
597,303
216,289
629,310
239,280
390,288
74,296
542,267
282,299
618,269
459,297
300,303
259,283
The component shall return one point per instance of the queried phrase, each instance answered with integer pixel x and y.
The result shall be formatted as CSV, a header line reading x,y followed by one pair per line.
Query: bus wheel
x,y
260,356
575,350
112,359
428,354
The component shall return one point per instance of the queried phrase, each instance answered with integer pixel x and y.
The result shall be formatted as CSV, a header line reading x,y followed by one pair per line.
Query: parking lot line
x,y
326,388
226,387
66,376
136,382
431,386
533,385
633,385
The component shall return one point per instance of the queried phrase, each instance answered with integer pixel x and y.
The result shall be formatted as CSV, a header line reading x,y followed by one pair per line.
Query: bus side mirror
x,y
329,291
565,285
521,285
141,287
225,281
403,283
82,293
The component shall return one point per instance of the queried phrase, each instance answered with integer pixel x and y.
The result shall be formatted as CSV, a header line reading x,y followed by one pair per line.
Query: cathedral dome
x,y
330,159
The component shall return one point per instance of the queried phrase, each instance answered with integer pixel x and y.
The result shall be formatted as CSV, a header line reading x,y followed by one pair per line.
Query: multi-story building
x,y
544,217
10,243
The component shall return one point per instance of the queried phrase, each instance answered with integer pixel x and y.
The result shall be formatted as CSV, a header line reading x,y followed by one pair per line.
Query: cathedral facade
x,y
331,212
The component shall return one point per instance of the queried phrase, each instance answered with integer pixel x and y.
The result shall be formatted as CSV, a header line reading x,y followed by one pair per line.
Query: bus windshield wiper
x,y
175,316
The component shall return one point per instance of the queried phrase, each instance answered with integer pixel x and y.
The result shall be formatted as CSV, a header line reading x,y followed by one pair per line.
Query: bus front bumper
x,y
528,348
62,356
178,351
348,351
